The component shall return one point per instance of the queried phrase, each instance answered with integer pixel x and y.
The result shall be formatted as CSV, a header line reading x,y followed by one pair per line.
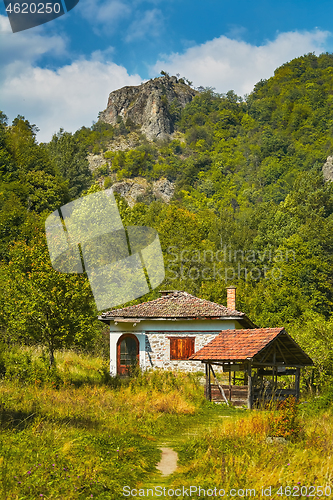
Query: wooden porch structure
x,y
256,362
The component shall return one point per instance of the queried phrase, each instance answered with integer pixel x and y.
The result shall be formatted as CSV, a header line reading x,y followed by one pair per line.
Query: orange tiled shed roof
x,y
239,345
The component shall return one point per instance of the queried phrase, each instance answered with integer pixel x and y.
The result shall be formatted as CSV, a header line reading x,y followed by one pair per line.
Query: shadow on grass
x,y
11,419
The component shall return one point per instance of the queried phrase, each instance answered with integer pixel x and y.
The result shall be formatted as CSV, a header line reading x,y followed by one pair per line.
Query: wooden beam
x,y
287,371
265,356
258,365
290,352
209,385
249,386
278,346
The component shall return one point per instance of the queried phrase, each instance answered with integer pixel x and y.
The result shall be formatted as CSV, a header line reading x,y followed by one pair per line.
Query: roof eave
x,y
225,361
247,322
174,318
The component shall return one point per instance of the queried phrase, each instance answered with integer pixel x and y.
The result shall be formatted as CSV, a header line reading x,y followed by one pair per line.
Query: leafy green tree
x,y
314,333
23,147
12,216
42,306
7,167
70,158
45,191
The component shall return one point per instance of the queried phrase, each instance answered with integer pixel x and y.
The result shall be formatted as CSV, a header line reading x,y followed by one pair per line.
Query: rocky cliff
x,y
154,105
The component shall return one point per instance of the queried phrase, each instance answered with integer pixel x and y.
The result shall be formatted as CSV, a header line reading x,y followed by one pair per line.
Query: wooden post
x,y
206,386
209,386
249,386
297,380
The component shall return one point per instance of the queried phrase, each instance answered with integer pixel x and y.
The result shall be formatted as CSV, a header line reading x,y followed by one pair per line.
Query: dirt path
x,y
168,463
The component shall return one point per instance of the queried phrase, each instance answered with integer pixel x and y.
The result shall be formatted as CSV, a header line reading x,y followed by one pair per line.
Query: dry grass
x,y
74,442
236,454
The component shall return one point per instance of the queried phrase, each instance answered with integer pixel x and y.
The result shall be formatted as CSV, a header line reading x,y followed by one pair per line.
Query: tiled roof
x,y
269,345
259,344
174,305
236,345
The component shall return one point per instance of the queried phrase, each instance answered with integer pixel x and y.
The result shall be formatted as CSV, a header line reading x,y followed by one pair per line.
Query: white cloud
x,y
148,24
68,97
26,46
229,64
105,14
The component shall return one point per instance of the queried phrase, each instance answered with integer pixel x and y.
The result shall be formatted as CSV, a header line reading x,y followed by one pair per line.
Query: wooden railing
x,y
238,394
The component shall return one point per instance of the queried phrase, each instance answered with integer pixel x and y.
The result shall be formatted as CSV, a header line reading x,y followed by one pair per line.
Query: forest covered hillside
x,y
250,208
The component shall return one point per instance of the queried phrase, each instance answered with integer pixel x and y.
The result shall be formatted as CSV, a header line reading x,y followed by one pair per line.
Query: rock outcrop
x,y
153,105
328,169
96,161
134,190
163,189
131,189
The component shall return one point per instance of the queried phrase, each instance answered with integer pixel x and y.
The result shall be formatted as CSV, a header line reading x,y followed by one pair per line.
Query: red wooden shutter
x,y
189,347
181,347
173,348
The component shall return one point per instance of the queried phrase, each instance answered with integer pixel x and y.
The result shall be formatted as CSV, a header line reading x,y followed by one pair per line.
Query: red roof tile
x,y
175,305
237,345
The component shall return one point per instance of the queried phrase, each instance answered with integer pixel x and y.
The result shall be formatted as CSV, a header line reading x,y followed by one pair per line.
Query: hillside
x,y
246,204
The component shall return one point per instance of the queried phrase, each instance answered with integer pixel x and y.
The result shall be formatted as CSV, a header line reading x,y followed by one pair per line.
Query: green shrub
x,y
285,424
107,183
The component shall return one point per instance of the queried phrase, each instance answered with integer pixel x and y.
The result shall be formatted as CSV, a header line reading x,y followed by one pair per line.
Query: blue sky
x,y
60,74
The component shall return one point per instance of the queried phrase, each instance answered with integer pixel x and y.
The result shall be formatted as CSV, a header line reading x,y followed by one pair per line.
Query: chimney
x,y
164,293
231,298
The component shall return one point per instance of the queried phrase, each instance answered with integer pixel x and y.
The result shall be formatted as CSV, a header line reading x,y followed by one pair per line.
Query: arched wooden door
x,y
127,353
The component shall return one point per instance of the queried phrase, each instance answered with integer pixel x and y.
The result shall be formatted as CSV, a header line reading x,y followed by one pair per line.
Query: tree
x,y
42,306
70,158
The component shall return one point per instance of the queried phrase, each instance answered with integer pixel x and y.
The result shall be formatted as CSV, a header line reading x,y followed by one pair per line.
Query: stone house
x,y
166,331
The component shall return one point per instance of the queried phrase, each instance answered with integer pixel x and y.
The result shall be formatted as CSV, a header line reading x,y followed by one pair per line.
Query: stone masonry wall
x,y
158,351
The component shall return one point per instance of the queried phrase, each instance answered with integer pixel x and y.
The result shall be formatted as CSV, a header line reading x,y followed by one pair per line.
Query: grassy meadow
x,y
75,433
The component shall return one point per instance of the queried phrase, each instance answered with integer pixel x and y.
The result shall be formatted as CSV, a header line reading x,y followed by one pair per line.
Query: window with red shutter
x,y
181,347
